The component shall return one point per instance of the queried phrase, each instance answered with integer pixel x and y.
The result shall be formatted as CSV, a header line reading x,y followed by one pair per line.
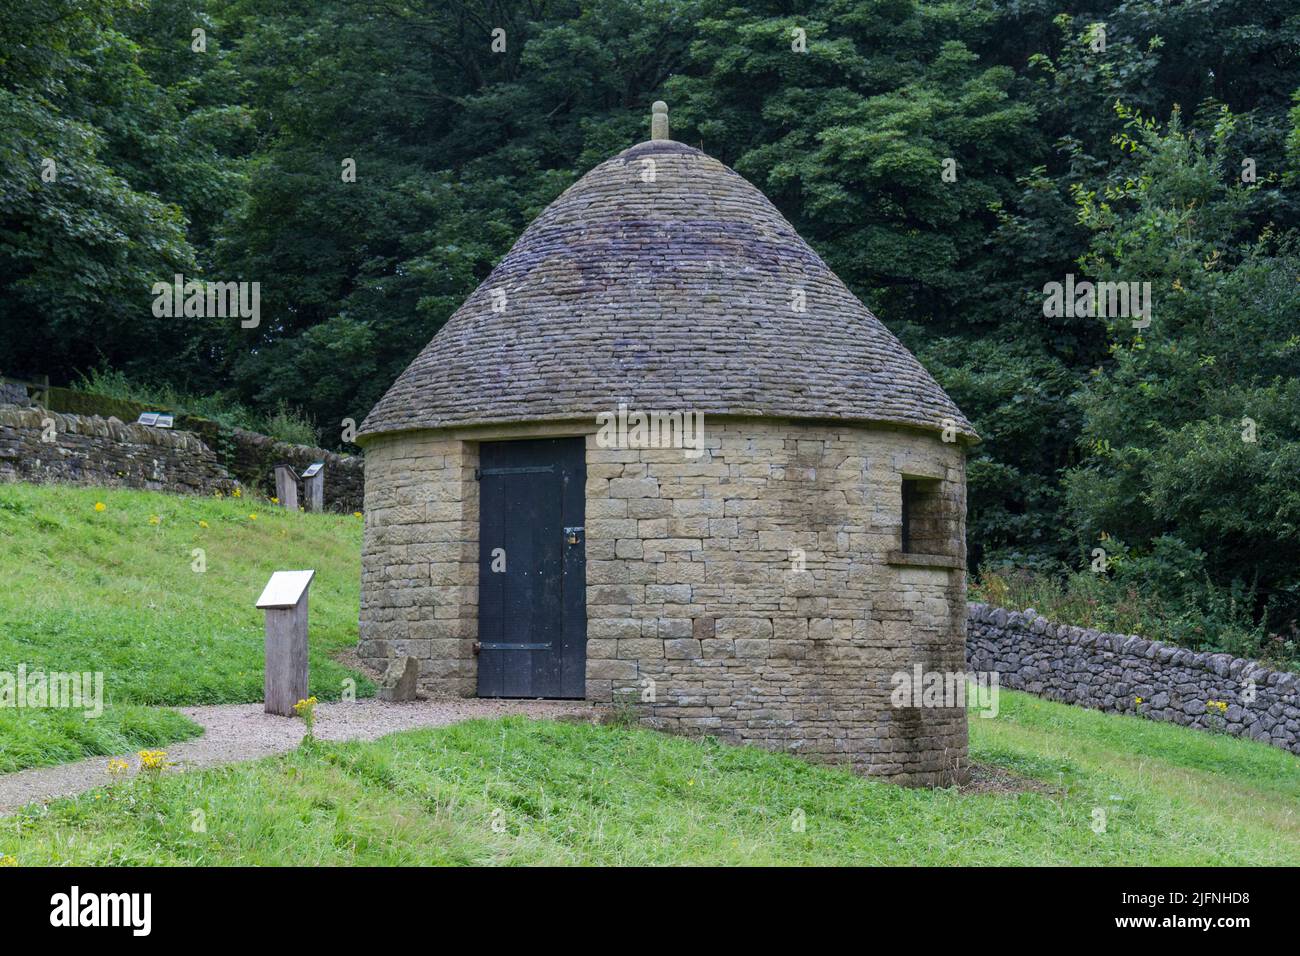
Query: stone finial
x,y
659,120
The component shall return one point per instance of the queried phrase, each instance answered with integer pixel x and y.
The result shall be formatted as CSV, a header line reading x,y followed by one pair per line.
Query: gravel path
x,y
235,732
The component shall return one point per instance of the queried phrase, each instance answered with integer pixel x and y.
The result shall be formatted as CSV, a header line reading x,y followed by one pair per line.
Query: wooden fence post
x,y
286,487
285,601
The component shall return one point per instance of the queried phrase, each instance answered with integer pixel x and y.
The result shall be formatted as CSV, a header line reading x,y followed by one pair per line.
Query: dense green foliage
x,y
515,791
1102,138
119,590
1191,427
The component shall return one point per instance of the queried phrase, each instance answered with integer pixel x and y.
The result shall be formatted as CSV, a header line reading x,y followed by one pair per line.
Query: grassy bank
x,y
519,792
115,589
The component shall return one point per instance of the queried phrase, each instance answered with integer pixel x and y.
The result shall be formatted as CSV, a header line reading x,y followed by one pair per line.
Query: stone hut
x,y
663,457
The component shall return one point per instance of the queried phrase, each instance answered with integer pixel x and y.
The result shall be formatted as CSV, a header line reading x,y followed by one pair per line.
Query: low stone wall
x,y
255,457
104,451
249,457
12,394
1112,672
92,450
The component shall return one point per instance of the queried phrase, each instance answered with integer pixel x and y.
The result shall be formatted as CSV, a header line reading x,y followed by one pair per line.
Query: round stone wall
x,y
761,592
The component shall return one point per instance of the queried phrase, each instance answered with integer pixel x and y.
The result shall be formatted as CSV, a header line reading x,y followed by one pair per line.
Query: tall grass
x,y
285,422
1098,601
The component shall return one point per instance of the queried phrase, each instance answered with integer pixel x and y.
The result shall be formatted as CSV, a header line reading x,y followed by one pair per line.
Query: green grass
x,y
562,793
115,591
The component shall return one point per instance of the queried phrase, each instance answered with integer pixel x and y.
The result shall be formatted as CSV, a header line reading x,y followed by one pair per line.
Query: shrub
x,y
291,425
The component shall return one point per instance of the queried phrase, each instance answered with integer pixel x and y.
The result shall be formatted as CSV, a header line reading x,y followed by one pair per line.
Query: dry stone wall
x,y
748,593
90,449
254,457
1129,674
104,451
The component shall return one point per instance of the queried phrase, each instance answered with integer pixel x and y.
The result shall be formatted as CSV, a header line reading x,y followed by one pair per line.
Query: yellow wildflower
x,y
154,519
202,524
252,517
99,506
237,493
117,767
356,514
153,760
8,860
306,709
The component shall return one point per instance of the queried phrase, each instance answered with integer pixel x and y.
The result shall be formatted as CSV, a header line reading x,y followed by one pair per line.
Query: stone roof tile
x,y
671,294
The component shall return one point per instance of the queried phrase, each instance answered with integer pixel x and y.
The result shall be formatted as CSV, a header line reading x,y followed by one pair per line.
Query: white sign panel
x,y
285,589
156,419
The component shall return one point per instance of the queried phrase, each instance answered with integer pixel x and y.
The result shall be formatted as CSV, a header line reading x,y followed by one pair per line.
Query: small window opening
x,y
926,523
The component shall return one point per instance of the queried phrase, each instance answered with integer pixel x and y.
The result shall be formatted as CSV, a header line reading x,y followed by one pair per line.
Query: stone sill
x,y
910,560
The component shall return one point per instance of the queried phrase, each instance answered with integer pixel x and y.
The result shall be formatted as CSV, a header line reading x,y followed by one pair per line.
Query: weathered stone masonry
x,y
694,587
106,452
765,592
419,558
1109,672
93,450
254,457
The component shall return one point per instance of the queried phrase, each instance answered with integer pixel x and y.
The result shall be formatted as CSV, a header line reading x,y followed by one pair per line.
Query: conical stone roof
x,y
663,280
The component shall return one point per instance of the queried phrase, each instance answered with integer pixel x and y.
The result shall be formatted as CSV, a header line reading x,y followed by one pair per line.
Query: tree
x,y
1190,431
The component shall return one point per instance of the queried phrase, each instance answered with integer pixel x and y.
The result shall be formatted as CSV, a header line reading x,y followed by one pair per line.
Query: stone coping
x,y
910,560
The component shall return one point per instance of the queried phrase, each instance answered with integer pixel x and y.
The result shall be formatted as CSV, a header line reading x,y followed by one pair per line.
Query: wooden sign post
x,y
286,487
285,601
313,486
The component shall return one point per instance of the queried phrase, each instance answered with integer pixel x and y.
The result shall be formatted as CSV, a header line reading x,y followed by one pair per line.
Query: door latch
x,y
573,535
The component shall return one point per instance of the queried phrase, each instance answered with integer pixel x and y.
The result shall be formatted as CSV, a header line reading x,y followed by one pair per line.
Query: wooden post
x,y
285,601
286,487
313,487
